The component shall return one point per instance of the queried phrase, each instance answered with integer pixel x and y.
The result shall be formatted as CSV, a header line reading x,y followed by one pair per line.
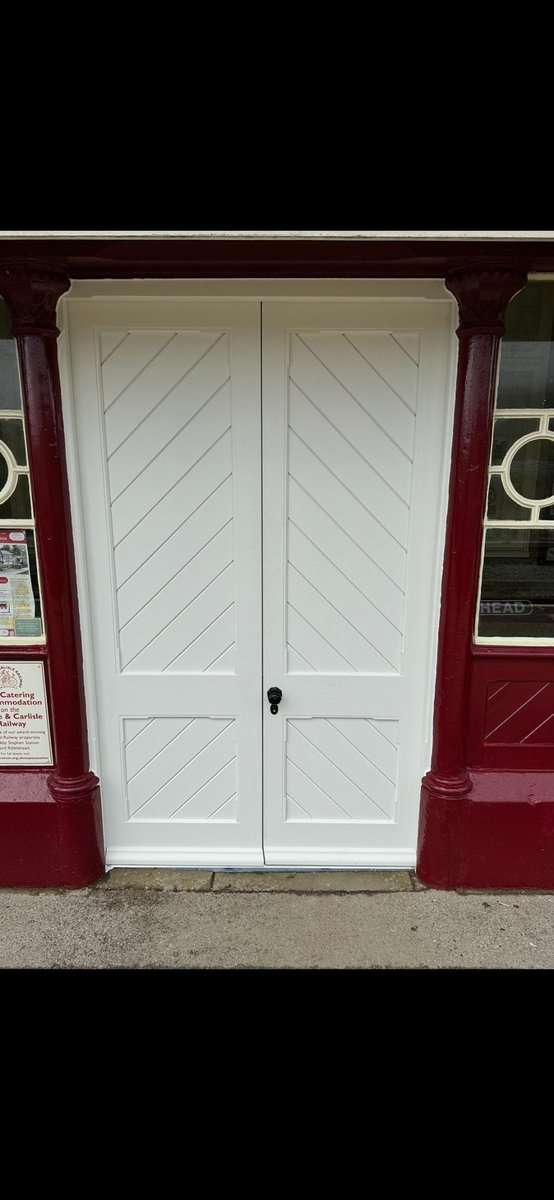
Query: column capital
x,y
483,289
31,291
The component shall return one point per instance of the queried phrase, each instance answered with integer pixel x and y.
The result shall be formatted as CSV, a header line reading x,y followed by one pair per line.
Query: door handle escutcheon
x,y
274,696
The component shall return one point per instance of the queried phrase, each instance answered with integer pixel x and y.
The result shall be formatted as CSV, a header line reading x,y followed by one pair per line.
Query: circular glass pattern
x,y
4,470
532,470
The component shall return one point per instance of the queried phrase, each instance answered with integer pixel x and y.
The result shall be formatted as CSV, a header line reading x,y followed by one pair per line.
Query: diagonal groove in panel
x,y
189,421
187,583
205,433
343,617
183,768
333,360
183,649
320,653
341,504
204,784
381,377
351,538
122,339
141,439
179,614
162,730
340,771
210,816
355,449
171,338
379,732
369,416
321,635
339,571
155,598
302,656
175,554
179,529
340,481
317,787
165,396
299,805
517,710
371,761
407,352
217,658
536,729
192,467
310,526
378,721
136,735
159,752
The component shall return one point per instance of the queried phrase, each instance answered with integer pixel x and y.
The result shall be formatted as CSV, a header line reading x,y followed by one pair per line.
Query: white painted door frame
x,y
323,292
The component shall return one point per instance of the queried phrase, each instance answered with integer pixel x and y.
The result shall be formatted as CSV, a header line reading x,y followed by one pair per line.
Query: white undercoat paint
x,y
168,420
371,234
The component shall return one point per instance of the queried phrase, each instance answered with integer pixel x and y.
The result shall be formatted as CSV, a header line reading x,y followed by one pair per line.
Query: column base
x,y
45,842
498,832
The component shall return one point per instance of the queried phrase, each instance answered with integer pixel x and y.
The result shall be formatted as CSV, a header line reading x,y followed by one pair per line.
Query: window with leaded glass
x,y
516,602
20,602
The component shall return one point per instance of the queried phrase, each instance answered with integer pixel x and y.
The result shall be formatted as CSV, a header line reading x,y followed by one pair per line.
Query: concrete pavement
x,y
311,920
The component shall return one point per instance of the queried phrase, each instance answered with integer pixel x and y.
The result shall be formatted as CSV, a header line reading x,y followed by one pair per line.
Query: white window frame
x,y
27,523
502,470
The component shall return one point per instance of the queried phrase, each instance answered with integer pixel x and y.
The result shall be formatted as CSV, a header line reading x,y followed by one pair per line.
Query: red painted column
x,y
483,291
32,293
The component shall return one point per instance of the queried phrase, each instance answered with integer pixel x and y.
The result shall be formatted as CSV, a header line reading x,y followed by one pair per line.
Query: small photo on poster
x,y
16,586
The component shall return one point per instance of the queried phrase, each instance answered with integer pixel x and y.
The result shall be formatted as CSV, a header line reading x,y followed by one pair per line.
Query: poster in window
x,y
17,600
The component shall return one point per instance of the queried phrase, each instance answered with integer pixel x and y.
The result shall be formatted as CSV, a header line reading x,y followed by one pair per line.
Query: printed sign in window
x,y
19,600
24,725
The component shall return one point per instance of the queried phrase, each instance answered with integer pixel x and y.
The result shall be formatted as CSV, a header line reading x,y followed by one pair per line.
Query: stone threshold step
x,y
161,879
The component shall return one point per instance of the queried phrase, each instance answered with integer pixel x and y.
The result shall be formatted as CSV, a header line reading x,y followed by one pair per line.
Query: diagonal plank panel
x,y
352,402
335,771
167,414
188,770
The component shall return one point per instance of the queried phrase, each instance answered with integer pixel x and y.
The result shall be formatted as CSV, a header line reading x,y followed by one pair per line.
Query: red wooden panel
x,y
511,709
517,711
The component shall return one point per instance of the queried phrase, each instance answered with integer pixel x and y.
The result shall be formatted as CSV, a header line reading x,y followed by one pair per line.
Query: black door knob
x,y
274,696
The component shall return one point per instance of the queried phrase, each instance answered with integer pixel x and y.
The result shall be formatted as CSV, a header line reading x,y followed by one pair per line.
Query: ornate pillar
x,y
32,293
483,291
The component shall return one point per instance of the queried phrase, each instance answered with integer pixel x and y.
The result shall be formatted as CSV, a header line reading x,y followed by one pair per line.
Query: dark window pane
x,y
526,376
18,507
506,432
10,395
517,594
501,507
11,433
532,470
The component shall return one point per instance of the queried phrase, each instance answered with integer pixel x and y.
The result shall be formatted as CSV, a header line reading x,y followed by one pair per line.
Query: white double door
x,y
260,489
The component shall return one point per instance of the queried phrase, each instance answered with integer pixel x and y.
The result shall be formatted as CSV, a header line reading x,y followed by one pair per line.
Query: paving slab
x,y
102,928
156,879
337,882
